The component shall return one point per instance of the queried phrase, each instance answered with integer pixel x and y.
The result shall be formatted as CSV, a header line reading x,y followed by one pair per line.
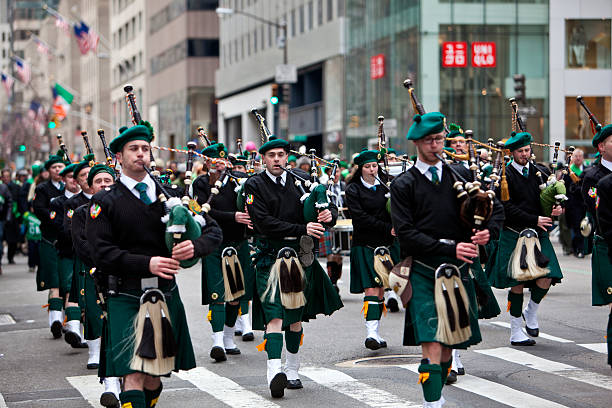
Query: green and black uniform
x,y
602,263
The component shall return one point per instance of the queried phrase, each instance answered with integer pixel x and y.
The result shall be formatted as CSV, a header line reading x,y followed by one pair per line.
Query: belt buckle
x,y
148,283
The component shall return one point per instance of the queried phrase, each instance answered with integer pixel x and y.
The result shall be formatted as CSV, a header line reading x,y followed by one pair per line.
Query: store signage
x,y
377,66
454,54
483,54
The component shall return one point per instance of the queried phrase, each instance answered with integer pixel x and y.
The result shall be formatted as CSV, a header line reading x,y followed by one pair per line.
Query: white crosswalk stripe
x,y
494,391
597,347
2,402
89,387
349,386
541,335
224,389
548,366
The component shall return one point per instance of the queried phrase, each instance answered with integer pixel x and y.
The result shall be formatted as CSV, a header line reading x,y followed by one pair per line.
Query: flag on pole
x,y
62,24
86,37
61,101
42,47
7,81
23,70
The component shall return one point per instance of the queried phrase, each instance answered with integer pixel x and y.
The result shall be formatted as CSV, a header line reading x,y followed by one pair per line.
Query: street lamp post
x,y
284,106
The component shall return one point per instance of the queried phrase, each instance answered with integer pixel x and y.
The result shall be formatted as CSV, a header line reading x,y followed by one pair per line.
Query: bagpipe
x,y
181,216
63,149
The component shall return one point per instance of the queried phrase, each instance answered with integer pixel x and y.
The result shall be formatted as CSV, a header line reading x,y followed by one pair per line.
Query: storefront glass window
x,y
588,44
578,130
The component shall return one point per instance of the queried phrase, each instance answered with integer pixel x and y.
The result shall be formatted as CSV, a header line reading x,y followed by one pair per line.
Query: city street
x,y
567,367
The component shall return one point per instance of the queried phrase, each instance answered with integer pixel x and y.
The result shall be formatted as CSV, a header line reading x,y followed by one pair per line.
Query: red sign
x,y
377,66
483,54
454,54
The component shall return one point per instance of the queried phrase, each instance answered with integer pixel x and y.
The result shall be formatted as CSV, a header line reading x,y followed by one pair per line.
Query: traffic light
x,y
519,88
274,97
53,123
22,148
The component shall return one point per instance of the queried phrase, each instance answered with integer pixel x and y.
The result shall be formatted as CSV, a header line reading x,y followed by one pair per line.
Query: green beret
x,y
68,169
83,164
36,169
602,135
292,158
274,143
367,156
139,132
454,130
344,164
99,168
518,140
344,173
427,124
391,150
53,159
241,160
215,151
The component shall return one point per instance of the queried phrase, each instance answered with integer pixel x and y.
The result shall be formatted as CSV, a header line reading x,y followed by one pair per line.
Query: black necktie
x,y
279,181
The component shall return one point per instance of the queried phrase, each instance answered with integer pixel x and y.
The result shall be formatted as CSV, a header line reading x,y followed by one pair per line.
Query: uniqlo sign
x,y
483,54
454,54
377,66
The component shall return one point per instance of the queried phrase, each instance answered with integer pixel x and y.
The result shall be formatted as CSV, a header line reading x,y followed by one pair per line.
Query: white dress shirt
x,y
282,176
130,183
424,169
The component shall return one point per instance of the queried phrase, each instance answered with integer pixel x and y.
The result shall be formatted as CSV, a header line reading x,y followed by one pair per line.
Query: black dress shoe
x,y
461,371
218,354
532,332
109,400
383,344
278,385
294,384
248,337
392,305
93,366
372,343
81,345
73,339
580,255
528,342
238,333
232,352
56,329
452,377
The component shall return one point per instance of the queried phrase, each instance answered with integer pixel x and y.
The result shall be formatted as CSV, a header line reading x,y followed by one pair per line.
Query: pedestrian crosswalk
x,y
355,387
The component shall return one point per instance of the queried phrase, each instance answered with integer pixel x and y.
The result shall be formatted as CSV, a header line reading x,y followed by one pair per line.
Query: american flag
x,y
62,24
86,38
7,81
24,71
42,47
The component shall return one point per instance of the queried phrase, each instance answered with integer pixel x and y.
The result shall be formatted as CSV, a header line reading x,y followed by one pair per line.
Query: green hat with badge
x,y
602,135
274,143
68,169
241,160
215,151
292,158
454,130
367,156
83,164
427,124
54,159
99,168
138,132
518,140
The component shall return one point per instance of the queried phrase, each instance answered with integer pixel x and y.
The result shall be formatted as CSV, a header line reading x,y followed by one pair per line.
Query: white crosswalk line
x,y
349,386
224,389
548,366
494,391
542,335
597,347
2,402
89,387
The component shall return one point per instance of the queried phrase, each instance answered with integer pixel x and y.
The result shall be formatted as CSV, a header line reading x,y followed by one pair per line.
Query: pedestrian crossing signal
x,y
274,97
22,148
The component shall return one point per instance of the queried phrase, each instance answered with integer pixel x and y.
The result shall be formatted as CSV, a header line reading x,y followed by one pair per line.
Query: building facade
x,y
182,40
580,33
250,51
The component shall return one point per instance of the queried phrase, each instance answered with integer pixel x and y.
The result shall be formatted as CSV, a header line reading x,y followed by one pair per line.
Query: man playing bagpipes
x,y
92,294
227,274
597,195
525,257
425,209
47,276
288,290
146,325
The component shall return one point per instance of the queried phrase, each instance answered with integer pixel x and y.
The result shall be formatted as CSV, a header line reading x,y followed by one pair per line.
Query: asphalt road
x,y
567,367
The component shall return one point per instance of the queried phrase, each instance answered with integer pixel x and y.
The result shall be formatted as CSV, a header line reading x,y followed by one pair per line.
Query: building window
x,y
255,41
139,21
330,10
301,19
236,50
248,40
340,8
293,23
578,126
270,35
588,44
310,15
319,12
201,47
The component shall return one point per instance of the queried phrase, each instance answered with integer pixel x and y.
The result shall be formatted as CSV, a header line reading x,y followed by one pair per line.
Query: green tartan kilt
x,y
321,296
119,330
421,320
65,268
491,308
601,289
213,288
47,273
94,315
497,267
363,274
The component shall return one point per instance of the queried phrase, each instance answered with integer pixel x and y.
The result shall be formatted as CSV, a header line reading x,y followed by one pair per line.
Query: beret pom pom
x,y
512,134
417,118
598,127
122,129
273,137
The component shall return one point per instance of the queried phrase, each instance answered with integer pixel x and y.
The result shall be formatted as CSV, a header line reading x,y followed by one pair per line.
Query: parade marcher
x,y
575,208
47,273
98,178
5,208
456,139
373,252
33,237
224,287
12,227
525,257
334,259
125,228
426,219
288,290
596,194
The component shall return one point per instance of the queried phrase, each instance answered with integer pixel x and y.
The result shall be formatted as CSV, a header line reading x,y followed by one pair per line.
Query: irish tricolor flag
x,y
62,100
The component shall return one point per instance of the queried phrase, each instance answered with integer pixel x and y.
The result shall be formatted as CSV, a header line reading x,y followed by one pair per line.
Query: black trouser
x,y
33,254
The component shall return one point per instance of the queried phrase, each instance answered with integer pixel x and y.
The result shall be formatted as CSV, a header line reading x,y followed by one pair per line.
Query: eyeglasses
x,y
432,140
